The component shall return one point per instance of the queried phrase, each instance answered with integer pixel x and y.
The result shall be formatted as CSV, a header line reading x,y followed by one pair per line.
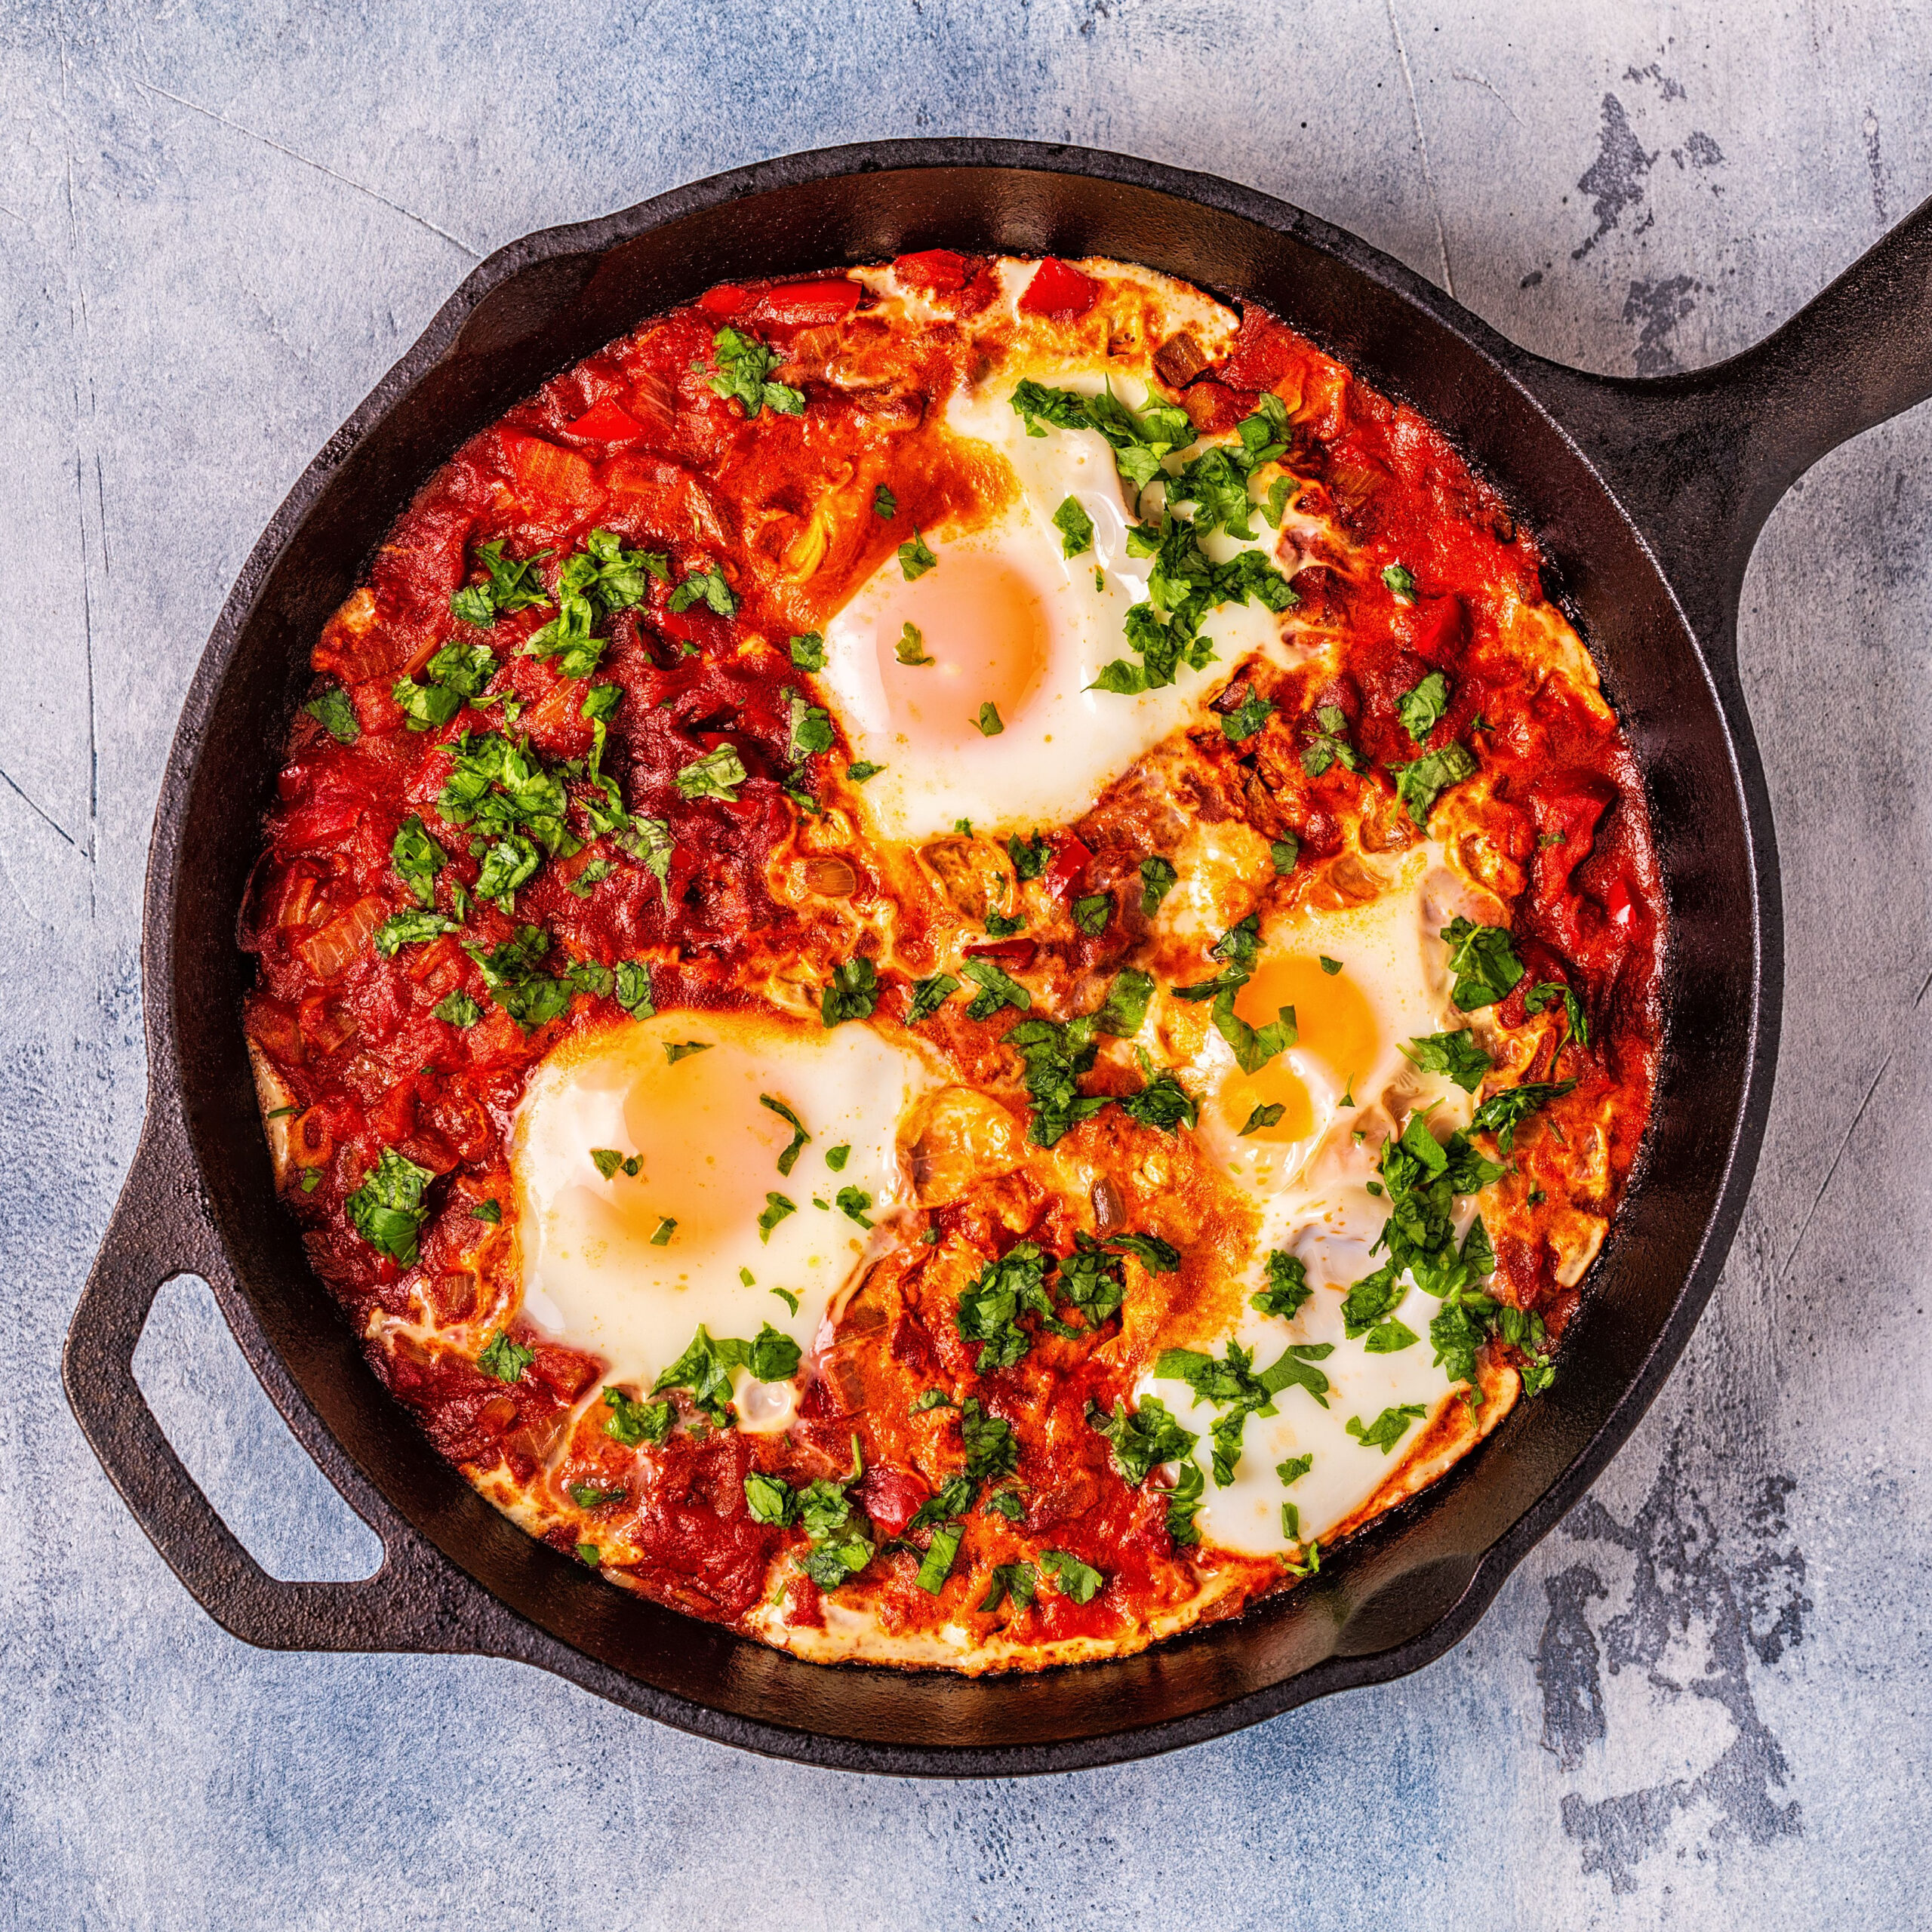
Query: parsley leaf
x,y
1284,852
989,720
1262,1116
1122,1013
1330,744
1254,1046
800,1138
1501,1113
858,773
1287,1288
853,1202
1456,1055
509,584
1075,528
1419,784
1140,1441
1421,708
708,587
1401,583
776,1209
1072,1577
915,559
332,710
718,774
1055,1056
631,1421
1239,725
929,995
1016,1580
1547,992
911,648
998,988
1091,915
883,501
388,1209
1157,878
808,651
1388,1429
852,993
1485,966
744,367
410,928
503,1358
633,989
457,1008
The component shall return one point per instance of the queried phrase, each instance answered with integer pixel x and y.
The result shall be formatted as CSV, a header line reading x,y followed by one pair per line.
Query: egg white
x,y
1312,1195
1060,750
708,1152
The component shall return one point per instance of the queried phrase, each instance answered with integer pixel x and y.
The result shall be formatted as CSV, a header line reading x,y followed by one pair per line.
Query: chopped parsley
x,y
915,558
1264,1116
414,928
503,1358
631,1421
989,720
333,711
1072,1577
776,1209
1388,1429
800,1138
1157,878
1330,745
1016,1580
677,1050
998,987
1401,583
1075,528
706,1367
1420,708
490,1211
808,651
852,993
417,859
1455,1055
588,1496
883,501
594,583
1287,1289
1330,967
911,648
743,366
929,995
1091,915
853,1202
1239,725
1485,966
718,774
1284,851
388,1210
811,729
1501,1113
1419,784
1124,1009
509,584
707,587
633,983
860,772
1547,992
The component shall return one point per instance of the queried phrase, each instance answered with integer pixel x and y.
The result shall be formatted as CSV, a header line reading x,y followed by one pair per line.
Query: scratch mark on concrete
x,y
1422,148
1836,1158
1688,1598
1875,166
1488,87
321,168
1614,181
49,823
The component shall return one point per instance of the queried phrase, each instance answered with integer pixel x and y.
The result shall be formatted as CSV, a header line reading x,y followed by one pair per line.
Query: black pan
x,y
1648,496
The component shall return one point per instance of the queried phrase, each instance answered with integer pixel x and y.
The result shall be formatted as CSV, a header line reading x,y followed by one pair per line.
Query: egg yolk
x,y
1334,1022
983,625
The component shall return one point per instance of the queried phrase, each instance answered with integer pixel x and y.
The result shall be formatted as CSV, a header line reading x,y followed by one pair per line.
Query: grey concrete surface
x,y
1703,1702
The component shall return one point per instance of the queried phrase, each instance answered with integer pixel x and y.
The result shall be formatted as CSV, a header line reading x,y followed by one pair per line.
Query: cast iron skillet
x,y
1647,497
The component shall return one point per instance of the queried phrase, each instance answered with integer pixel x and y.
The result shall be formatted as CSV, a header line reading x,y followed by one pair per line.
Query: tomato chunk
x,y
805,305
606,423
891,1496
555,476
938,268
1057,290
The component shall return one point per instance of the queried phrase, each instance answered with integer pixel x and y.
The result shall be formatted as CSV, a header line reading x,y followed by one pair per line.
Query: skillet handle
x,y
161,1227
1700,459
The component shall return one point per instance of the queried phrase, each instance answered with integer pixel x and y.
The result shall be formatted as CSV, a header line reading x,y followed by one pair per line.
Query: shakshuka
x,y
954,960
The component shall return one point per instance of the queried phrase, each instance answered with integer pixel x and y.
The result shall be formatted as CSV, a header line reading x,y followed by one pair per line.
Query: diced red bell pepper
x,y
1069,862
606,423
1014,955
727,299
942,269
891,1496
1438,632
1617,902
805,305
1057,290
545,471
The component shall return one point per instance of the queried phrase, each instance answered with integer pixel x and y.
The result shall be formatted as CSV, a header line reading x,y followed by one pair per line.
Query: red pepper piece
x,y
1069,862
891,1496
1057,290
727,299
1015,955
606,423
938,268
805,305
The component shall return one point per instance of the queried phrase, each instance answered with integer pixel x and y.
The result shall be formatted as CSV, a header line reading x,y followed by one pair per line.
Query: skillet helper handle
x,y
160,1227
1701,460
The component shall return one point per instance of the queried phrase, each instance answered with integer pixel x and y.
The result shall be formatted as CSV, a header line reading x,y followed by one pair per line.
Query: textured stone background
x,y
1702,1701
